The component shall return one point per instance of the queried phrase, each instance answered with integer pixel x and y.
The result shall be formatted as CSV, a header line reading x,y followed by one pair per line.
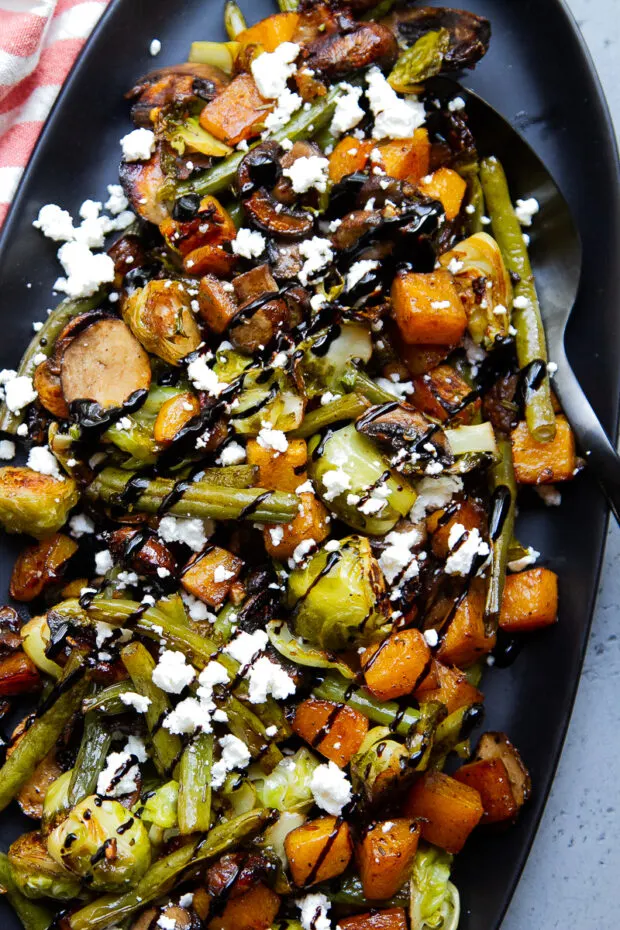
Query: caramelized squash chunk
x,y
270,32
449,686
394,918
334,730
318,850
446,186
349,155
490,779
174,414
406,159
427,308
279,471
209,577
256,909
448,810
385,857
40,565
530,601
394,667
237,113
310,523
544,462
465,640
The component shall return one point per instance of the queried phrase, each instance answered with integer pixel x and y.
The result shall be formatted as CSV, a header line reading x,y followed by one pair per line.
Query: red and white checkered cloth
x,y
39,41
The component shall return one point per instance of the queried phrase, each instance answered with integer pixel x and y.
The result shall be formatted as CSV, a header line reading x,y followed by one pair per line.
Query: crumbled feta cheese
x,y
318,253
186,899
116,202
457,531
455,266
329,398
330,788
530,557
138,145
431,637
288,103
190,531
222,574
85,272
307,172
348,112
335,481
245,647
305,547
19,392
271,731
188,716
549,495
204,378
266,677
172,673
460,560
121,774
139,702
395,118
270,438
357,271
332,545
456,104
126,579
166,923
433,494
521,303
42,460
397,559
271,70
124,423
232,454
525,210
306,488
195,608
55,223
103,561
277,535
135,747
154,47
235,755
314,908
249,243
400,389
7,450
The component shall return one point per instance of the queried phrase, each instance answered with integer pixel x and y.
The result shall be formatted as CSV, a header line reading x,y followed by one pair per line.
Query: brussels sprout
x,y
36,637
277,833
355,480
481,261
160,807
34,503
103,844
273,401
229,364
238,793
434,901
161,318
56,801
338,598
138,439
287,787
327,356
420,62
303,653
35,872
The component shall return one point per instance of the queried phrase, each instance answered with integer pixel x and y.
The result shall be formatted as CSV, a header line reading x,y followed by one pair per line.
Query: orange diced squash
x,y
465,640
212,225
279,471
394,667
39,565
427,308
392,919
334,730
449,686
318,850
446,186
270,32
530,600
349,155
490,779
466,513
448,810
282,539
255,909
18,675
385,857
440,392
210,576
211,258
217,306
544,462
173,416
406,159
237,112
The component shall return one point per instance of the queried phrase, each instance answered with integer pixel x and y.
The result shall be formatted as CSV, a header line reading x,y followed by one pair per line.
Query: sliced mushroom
x,y
400,426
217,306
285,259
104,363
236,873
260,168
469,34
32,793
177,84
142,550
142,181
335,55
260,319
269,216
47,385
495,745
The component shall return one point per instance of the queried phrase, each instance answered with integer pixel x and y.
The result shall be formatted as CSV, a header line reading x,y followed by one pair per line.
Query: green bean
x,y
32,915
194,803
200,500
350,892
140,664
531,343
42,736
338,689
504,486
91,757
476,200
108,700
364,385
231,476
234,20
347,407
162,876
42,343
304,124
247,726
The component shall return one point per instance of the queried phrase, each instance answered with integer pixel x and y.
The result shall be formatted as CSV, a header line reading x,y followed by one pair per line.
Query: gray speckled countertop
x,y
571,879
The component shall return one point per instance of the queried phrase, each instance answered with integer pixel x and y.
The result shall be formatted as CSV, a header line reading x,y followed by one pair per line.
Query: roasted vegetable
x,y
468,34
318,850
159,315
36,874
530,600
434,899
33,503
449,810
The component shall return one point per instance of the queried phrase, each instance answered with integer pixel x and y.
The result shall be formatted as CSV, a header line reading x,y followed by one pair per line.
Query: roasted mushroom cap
x,y
469,34
104,363
399,426
335,55
141,181
494,745
177,84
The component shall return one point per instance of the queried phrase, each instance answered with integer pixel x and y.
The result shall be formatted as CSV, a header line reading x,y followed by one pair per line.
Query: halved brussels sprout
x,y
274,401
36,637
103,844
338,598
160,317
138,439
483,283
277,833
355,480
56,801
434,899
301,652
328,354
33,503
420,62
36,873
287,787
160,807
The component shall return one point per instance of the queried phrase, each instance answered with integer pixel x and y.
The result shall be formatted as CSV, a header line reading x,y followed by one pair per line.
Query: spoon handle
x,y
602,458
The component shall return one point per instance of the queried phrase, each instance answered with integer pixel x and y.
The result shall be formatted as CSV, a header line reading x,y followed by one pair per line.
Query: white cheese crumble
x,y
288,103
305,547
433,494
400,389
265,678
249,243
395,118
222,574
166,923
235,755
138,145
103,561
247,646
456,104
116,202
348,112
154,47
271,70
42,460
55,223
460,560
139,702
7,450
306,172
186,899
525,210
232,454
277,535
335,481
530,557
314,908
190,531
188,716
431,637
85,272
318,253
357,271
196,609
270,438
80,525
550,496
109,783
397,559
521,303
19,392
204,378
330,788
172,673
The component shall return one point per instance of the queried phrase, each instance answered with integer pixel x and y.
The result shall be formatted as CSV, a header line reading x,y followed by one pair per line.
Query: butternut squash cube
x,y
349,155
448,810
334,730
39,565
490,779
237,112
279,471
394,667
407,159
385,857
530,601
318,850
544,462
270,32
467,513
465,640
210,576
173,415
255,909
427,308
449,686
217,306
392,919
282,539
446,186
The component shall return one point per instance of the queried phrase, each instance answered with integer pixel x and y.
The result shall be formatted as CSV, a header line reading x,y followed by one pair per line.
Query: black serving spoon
x,y
557,259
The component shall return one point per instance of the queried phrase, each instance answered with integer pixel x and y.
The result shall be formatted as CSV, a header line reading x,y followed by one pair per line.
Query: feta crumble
x,y
307,172
232,454
19,392
526,210
55,223
397,559
235,755
395,118
103,562
138,145
190,531
431,637
314,908
270,438
433,494
330,788
271,70
7,450
318,253
85,272
267,677
348,112
335,481
172,673
154,47
42,460
139,702
357,271
530,557
204,378
249,243
460,560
